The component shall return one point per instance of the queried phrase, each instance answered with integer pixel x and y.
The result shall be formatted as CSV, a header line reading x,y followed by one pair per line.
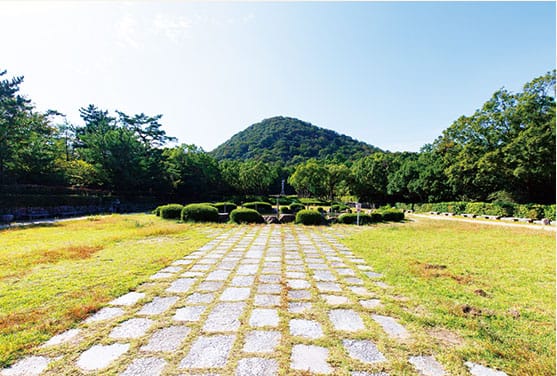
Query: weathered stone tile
x,y
324,276
190,313
132,328
363,373
427,365
29,366
354,281
235,294
68,336
318,266
257,367
247,269
299,307
271,288
298,284
267,300
383,285
310,358
218,275
328,287
370,303
225,317
269,278
364,351
243,281
299,295
200,298
128,299
264,317
306,328
145,367
100,356
373,274
181,285
391,326
364,267
200,267
346,319
181,262
171,269
189,274
158,305
270,270
105,314
296,275
346,272
359,290
295,268
209,286
167,339
261,341
335,299
479,370
161,275
209,352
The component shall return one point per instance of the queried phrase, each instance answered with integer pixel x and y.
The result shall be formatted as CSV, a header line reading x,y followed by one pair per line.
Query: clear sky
x,y
390,74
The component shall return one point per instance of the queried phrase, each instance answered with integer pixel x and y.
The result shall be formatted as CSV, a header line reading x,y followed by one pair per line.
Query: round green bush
x,y
244,215
337,208
376,217
225,207
200,213
261,206
392,215
157,211
285,210
309,217
352,218
295,207
171,211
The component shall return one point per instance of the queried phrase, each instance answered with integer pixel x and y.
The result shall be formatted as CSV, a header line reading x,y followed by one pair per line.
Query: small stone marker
x,y
67,336
479,370
269,278
225,317
132,328
257,367
261,341
209,352
264,317
181,285
346,319
128,299
364,351
167,339
391,326
100,356
105,314
190,313
427,365
30,366
306,328
145,367
158,305
310,358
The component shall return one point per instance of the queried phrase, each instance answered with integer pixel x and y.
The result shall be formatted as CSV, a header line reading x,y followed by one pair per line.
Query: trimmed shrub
x,y
312,201
200,213
352,218
296,207
171,211
376,217
224,207
532,211
244,215
285,210
321,210
261,206
309,217
337,208
549,212
157,211
392,215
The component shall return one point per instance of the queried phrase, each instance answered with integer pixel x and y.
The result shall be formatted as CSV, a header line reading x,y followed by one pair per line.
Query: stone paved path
x,y
261,300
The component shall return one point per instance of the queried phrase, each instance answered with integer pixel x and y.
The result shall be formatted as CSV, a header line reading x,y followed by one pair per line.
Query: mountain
x,y
290,141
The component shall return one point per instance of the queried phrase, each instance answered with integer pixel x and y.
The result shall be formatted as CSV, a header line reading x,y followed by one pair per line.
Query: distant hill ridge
x,y
290,141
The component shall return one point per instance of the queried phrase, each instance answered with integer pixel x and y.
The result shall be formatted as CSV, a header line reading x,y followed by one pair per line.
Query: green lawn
x,y
487,294
53,276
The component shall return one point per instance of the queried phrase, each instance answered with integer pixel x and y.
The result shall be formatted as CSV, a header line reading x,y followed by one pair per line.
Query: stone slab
x,y
106,313
29,366
335,299
267,300
360,290
271,288
373,274
235,294
364,351
218,275
132,328
310,358
257,367
264,317
427,365
145,367
171,269
269,278
161,275
261,341
298,284
299,307
189,313
225,317
68,336
479,370
100,356
209,286
181,285
189,274
346,320
354,281
328,287
391,326
299,295
200,298
128,299
209,352
167,339
324,276
306,328
370,303
158,305
242,281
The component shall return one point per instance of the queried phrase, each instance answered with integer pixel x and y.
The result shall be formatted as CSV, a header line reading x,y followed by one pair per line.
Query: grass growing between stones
x,y
484,294
53,276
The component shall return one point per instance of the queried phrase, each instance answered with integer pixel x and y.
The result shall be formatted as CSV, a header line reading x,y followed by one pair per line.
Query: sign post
x,y
358,210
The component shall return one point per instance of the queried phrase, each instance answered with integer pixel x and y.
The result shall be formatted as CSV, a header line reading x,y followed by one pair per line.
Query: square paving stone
x,y
171,269
189,274
200,298
269,278
132,328
182,262
427,365
298,284
209,352
299,295
225,317
479,370
200,267
68,336
273,270
128,299
235,294
145,367
391,326
335,299
359,290
296,275
324,276
306,328
354,281
346,272
328,287
370,303
295,268
364,267
264,317
364,351
257,367
161,275
190,313
383,285
242,281
299,307
267,300
261,341
167,339
363,373
100,356
218,275
209,286
310,358
271,288
158,305
105,314
247,269
318,266
29,366
373,275
181,285
346,319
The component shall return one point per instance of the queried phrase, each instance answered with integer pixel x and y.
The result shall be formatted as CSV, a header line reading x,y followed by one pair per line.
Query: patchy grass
x,y
486,294
53,276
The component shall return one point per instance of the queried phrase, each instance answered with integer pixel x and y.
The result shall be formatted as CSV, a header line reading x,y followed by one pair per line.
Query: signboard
x,y
358,207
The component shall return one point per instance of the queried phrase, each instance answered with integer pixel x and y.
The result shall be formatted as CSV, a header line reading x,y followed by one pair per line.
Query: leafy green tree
x,y
256,177
370,176
310,179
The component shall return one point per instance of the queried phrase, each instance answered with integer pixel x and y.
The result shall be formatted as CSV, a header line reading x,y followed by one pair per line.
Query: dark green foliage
x,y
313,201
285,210
244,215
157,211
392,215
225,207
309,217
199,213
171,211
321,210
503,209
549,212
352,218
290,141
295,207
261,206
337,208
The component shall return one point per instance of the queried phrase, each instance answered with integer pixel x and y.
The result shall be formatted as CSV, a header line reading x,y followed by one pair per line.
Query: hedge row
x,y
503,209
244,215
390,215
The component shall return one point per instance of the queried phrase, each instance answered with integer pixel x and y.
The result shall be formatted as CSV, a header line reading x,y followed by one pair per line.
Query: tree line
x,y
505,150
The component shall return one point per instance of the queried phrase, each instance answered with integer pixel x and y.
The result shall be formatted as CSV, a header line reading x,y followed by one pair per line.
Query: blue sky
x,y
390,74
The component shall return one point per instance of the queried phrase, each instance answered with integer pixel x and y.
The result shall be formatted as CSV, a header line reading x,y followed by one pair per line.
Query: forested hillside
x,y
290,141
